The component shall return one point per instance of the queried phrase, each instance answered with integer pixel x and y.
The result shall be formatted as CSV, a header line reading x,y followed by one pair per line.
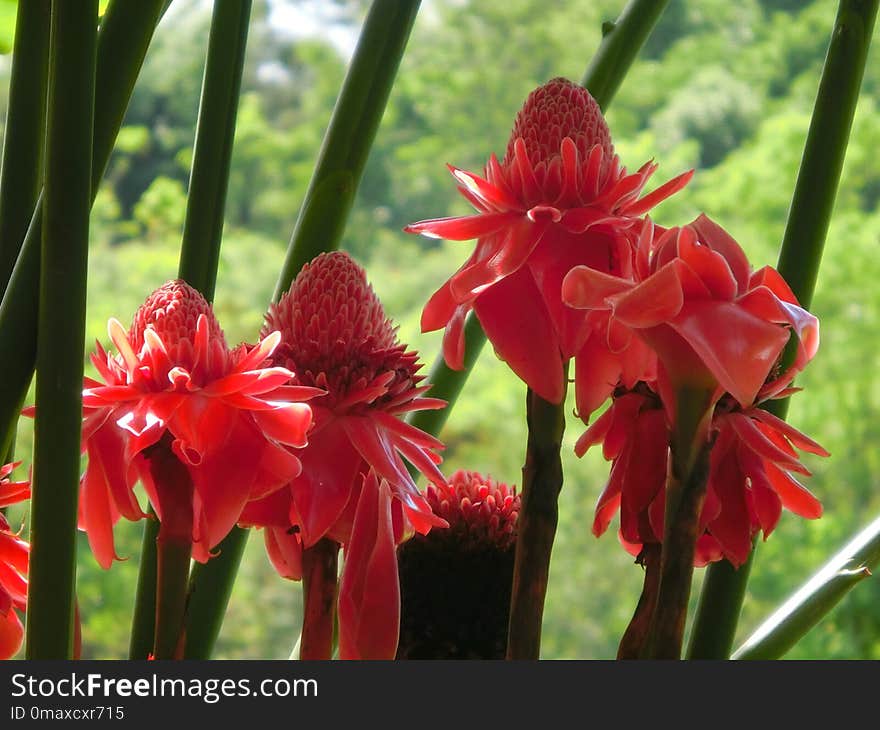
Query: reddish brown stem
x,y
632,643
542,482
320,579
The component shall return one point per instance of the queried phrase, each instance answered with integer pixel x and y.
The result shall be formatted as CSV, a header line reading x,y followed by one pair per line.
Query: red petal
x,y
285,553
286,423
656,197
517,323
369,592
464,228
790,432
758,442
794,495
11,634
656,300
714,236
596,374
586,288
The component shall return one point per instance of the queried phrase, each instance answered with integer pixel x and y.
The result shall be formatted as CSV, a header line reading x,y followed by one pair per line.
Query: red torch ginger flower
x,y
206,428
13,567
750,478
335,336
712,323
456,583
558,199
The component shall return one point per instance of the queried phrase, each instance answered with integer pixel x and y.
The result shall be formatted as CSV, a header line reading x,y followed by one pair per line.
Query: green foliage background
x,y
724,87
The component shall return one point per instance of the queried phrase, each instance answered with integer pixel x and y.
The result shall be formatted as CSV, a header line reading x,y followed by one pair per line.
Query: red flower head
x,y
712,323
206,428
13,567
558,199
456,583
750,474
335,336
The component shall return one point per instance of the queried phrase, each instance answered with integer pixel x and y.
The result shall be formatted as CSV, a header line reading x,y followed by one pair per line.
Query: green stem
x,y
61,344
319,228
447,383
143,617
685,491
126,30
350,135
536,525
621,43
816,598
801,252
203,227
215,133
172,575
20,177
320,564
210,586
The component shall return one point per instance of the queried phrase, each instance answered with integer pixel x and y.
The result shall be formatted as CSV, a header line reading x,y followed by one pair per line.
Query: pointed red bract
x,y
174,385
558,199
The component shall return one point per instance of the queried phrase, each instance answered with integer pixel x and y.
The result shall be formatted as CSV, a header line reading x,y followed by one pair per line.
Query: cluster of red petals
x,y
751,475
14,554
694,301
558,199
229,419
480,511
336,337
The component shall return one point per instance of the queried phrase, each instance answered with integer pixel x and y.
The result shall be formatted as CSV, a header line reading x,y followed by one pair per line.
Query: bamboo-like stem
x,y
22,169
319,228
320,586
685,492
61,344
800,257
126,30
203,228
622,40
536,525
350,134
816,598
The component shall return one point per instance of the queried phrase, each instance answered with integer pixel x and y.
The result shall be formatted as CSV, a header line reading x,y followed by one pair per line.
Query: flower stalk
x,y
21,174
542,482
799,260
320,587
126,31
60,346
203,227
319,228
685,492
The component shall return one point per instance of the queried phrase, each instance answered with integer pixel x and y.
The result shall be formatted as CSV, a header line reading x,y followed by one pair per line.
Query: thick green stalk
x,y
21,174
126,30
203,227
622,40
319,228
800,256
350,135
536,525
812,601
61,343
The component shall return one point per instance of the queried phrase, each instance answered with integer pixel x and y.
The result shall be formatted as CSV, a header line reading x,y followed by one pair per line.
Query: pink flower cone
x,y
694,300
558,199
14,553
335,336
175,394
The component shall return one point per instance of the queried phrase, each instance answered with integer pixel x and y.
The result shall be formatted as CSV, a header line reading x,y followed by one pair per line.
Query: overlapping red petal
x,y
14,556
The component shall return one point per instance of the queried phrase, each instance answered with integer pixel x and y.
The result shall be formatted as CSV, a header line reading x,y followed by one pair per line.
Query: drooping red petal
x,y
794,495
597,371
517,323
285,552
369,592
